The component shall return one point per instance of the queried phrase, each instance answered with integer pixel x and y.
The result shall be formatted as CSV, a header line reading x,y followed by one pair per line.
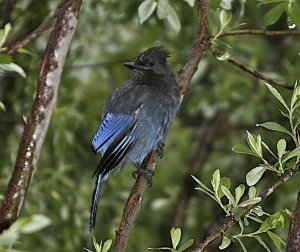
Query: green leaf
x,y
293,153
215,182
240,148
226,4
4,33
254,175
225,56
274,126
261,242
281,146
241,224
223,18
277,95
97,246
252,192
255,144
255,219
25,51
186,245
163,9
201,184
228,195
106,245
279,244
250,202
145,9
175,236
12,67
251,141
2,106
190,2
36,223
242,245
239,192
5,59
274,14
224,181
269,150
296,94
225,243
261,2
258,211
294,11
276,220
173,19
160,248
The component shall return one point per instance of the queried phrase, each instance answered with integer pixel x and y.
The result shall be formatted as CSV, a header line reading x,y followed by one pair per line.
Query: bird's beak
x,y
134,66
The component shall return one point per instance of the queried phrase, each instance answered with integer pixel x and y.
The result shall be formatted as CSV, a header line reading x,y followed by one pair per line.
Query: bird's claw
x,y
146,173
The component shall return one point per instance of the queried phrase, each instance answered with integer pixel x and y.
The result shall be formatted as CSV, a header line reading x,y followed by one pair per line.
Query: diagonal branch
x,y
134,201
258,32
37,123
251,71
230,221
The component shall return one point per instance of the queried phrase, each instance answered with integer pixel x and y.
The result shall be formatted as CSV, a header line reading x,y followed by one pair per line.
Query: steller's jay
x,y
136,118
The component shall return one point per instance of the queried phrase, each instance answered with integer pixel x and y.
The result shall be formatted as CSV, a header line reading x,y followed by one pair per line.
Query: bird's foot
x,y
160,149
145,172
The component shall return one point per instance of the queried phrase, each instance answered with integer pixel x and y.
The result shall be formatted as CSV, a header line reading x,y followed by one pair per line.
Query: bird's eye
x,y
151,64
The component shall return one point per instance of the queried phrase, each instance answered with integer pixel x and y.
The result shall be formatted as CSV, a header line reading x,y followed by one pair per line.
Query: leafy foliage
x,y
176,237
110,33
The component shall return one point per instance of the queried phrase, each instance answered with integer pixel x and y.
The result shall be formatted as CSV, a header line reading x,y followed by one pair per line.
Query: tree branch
x,y
45,25
293,244
251,71
43,106
230,221
184,76
258,32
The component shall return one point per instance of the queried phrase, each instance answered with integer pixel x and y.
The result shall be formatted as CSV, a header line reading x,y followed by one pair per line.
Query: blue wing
x,y
113,139
111,127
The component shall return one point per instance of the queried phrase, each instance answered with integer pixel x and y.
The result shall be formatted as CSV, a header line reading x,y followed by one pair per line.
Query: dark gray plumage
x,y
136,117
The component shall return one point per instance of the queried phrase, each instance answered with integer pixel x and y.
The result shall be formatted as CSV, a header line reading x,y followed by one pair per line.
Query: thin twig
x,y
45,25
251,71
258,32
184,75
230,221
37,123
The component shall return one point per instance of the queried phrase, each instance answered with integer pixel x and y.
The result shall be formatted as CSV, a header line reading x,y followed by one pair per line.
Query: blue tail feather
x,y
93,208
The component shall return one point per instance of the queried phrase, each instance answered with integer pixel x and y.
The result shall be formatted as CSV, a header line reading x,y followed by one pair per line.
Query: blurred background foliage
x,y
109,33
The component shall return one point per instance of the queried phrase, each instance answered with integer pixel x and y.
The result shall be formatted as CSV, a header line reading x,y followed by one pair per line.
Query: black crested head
x,y
151,61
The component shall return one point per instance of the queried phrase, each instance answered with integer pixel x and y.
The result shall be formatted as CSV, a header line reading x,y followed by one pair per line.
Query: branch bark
x,y
230,221
37,123
251,71
258,32
293,244
183,77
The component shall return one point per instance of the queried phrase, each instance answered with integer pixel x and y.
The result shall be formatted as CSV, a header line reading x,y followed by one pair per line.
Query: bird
x,y
135,119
